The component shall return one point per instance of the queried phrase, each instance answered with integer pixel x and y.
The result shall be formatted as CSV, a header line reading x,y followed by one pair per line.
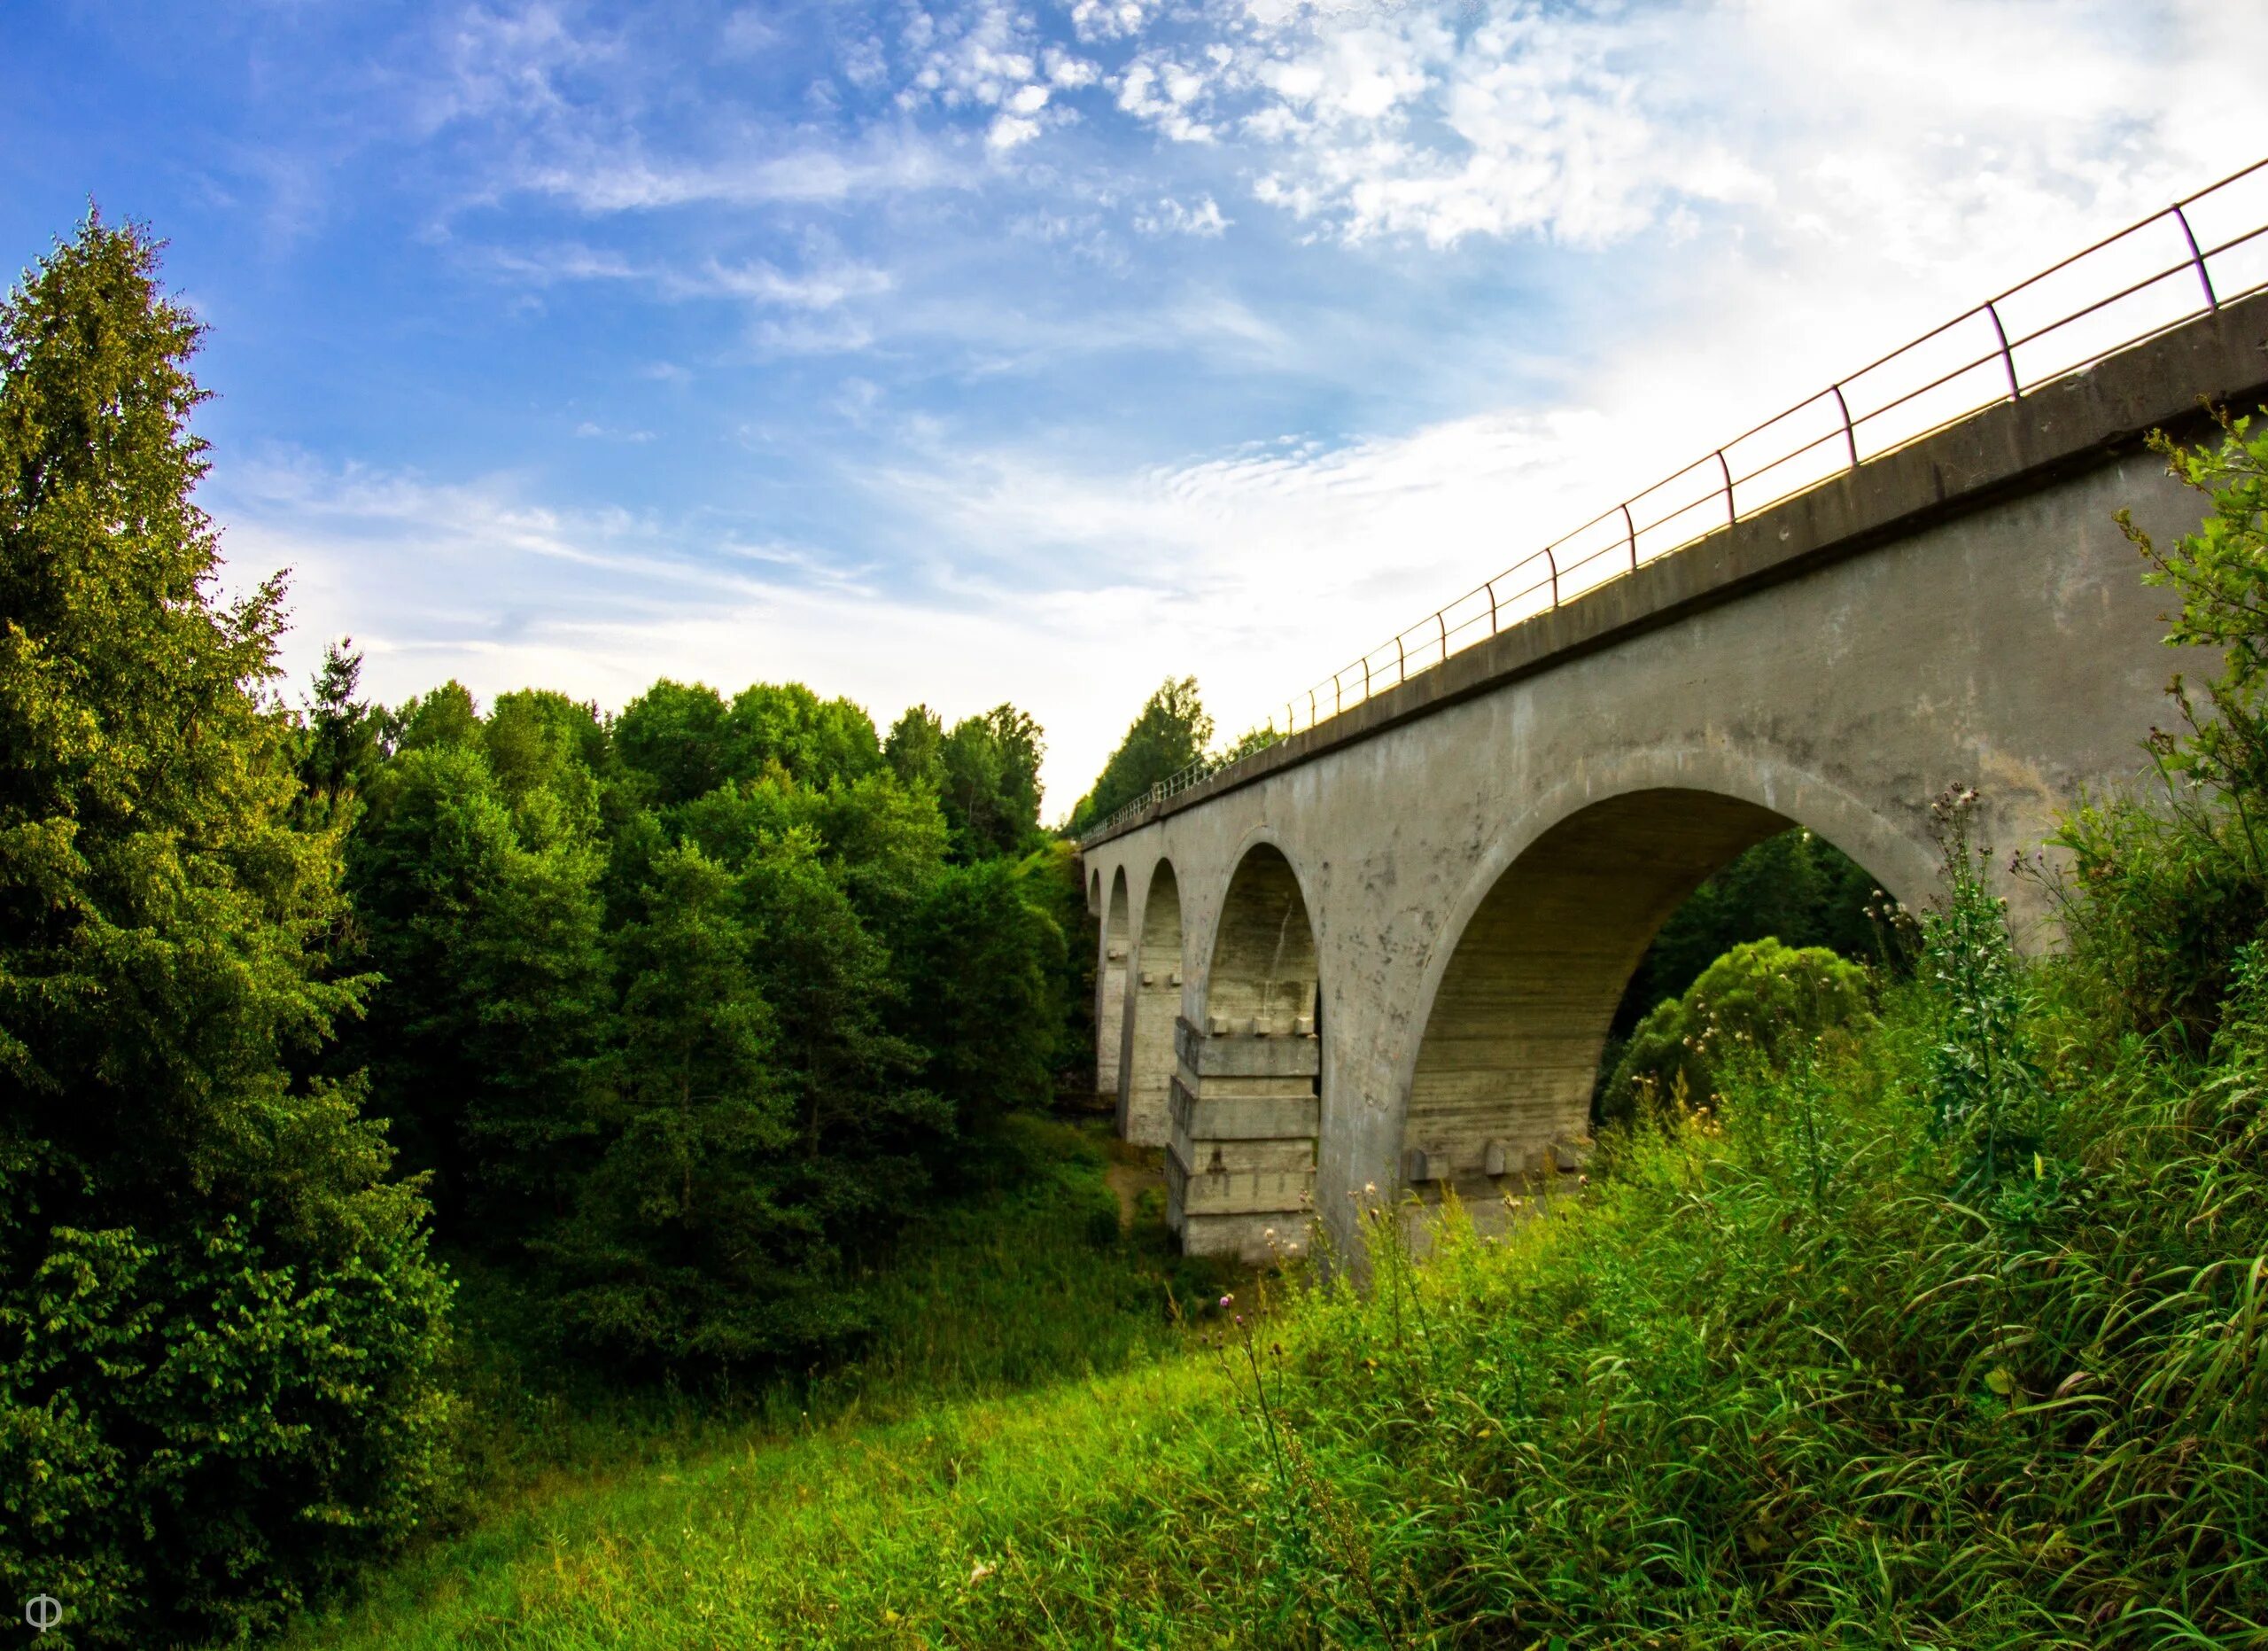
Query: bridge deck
x,y
2073,422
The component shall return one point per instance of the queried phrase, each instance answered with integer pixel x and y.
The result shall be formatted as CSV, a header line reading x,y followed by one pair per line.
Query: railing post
x,y
2195,257
1310,707
1337,695
1442,618
1724,469
1401,660
1850,436
1552,561
1632,533
2007,359
1366,676
1492,607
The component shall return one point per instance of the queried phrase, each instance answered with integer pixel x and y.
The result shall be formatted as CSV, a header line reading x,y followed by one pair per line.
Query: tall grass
x,y
1823,1363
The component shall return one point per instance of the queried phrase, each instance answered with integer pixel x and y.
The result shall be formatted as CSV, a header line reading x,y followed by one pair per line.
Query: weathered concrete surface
x,y
1454,880
1110,996
1152,998
1247,1073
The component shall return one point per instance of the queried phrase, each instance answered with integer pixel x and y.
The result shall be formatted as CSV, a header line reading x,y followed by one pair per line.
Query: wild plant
x,y
1985,1082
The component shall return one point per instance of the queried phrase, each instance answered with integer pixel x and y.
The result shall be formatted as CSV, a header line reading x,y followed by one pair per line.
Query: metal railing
x,y
2036,332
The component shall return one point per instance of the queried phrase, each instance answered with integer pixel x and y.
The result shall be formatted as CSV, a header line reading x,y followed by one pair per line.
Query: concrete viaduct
x,y
1385,951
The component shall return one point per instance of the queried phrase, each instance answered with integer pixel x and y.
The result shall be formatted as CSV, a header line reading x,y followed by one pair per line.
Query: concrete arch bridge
x,y
1388,949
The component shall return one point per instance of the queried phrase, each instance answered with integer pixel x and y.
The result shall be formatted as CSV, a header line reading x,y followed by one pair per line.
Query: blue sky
x,y
1035,352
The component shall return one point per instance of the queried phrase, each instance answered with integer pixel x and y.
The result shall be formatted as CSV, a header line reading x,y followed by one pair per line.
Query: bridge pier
x,y
1247,1111
1110,994
1153,1002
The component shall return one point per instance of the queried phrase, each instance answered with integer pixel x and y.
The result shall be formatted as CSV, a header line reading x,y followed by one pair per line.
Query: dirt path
x,y
1129,1180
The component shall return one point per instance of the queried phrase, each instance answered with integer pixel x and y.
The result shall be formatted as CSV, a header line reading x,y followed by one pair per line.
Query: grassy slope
x,y
582,1493
1770,1385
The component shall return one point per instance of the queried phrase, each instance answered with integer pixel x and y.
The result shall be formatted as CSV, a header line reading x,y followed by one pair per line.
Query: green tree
x,y
819,741
978,970
992,787
444,716
218,1326
915,750
485,922
340,746
1796,887
1171,732
676,736
1760,1001
1251,742
683,1248
543,742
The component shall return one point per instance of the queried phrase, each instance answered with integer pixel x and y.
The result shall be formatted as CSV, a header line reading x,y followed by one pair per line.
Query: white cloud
x,y
1008,131
600,179
1109,19
828,284
1169,216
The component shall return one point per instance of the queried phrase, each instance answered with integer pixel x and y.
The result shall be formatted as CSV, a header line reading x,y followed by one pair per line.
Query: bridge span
x,y
1384,952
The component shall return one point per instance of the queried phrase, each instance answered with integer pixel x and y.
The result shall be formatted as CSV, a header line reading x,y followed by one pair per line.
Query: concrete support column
x,y
1146,1093
1110,991
1110,1017
1245,1117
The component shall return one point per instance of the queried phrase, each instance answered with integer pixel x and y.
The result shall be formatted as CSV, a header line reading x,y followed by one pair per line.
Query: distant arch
x,y
1152,1004
1110,989
1263,973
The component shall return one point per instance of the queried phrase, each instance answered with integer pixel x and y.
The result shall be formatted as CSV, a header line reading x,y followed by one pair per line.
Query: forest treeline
x,y
681,1006
670,1016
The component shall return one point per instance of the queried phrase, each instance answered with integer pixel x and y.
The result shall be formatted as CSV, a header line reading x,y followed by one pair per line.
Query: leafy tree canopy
x,y
1171,732
219,1330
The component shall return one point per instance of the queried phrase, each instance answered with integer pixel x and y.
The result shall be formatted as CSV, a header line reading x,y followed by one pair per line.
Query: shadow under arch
x,y
1499,1092
1110,989
1153,1003
1263,968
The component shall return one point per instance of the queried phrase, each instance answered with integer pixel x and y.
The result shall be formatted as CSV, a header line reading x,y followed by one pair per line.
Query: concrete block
x,y
1245,1117
1496,1159
1224,1053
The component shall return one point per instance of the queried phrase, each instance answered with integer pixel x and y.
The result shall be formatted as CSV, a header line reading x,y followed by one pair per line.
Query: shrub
x,y
2161,897
1762,1000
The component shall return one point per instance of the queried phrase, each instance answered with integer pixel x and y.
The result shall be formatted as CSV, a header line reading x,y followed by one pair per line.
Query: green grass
x,y
1771,1383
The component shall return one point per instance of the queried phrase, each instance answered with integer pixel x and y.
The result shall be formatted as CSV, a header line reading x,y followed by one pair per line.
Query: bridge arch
x,y
1261,970
1521,989
1152,1002
1246,1097
1110,988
